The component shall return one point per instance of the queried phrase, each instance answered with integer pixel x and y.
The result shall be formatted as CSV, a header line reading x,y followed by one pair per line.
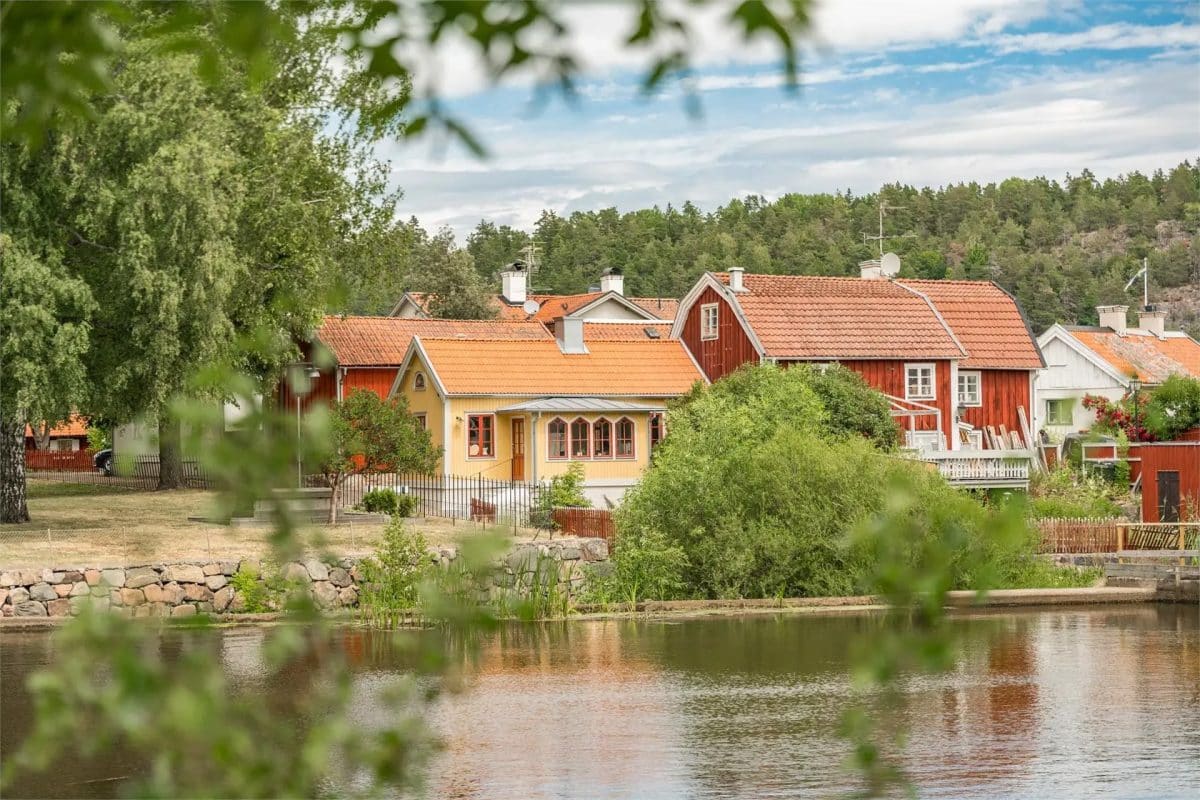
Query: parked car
x,y
103,461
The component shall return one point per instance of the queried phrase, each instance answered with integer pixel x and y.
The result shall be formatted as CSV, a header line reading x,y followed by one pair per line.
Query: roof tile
x,y
383,341
986,320
1148,357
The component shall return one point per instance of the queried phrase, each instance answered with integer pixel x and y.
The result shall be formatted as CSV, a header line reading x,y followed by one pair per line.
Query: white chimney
x,y
1113,317
871,270
569,333
612,281
512,284
735,279
1153,321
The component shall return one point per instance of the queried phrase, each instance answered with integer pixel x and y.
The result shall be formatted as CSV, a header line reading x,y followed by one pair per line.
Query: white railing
x,y
982,467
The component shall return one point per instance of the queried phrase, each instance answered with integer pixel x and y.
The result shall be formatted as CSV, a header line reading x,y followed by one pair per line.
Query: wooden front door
x,y
1168,496
518,448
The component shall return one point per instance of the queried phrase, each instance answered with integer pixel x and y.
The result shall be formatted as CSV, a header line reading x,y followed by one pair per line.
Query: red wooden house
x,y
952,356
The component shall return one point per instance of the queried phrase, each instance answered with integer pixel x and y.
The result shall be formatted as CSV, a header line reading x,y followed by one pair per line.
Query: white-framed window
x,y
419,382
919,383
1060,411
421,419
709,319
968,388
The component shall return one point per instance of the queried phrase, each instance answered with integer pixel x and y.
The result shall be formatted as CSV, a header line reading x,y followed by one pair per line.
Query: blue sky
x,y
926,92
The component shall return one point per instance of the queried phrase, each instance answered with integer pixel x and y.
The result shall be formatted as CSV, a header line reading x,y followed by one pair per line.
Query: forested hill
x,y
1060,247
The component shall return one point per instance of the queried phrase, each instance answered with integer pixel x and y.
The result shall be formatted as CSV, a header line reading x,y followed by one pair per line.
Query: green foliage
x,y
391,578
564,490
254,590
386,501
645,565
1068,493
98,438
1174,407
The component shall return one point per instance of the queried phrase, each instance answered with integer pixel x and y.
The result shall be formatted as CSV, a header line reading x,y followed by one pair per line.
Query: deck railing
x,y
983,468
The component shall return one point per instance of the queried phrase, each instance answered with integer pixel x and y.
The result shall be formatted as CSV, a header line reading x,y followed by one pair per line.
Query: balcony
x,y
982,469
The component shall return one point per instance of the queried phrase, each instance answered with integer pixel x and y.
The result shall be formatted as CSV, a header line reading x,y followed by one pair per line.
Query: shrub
x,y
387,501
1174,407
645,566
1067,493
565,490
259,595
392,576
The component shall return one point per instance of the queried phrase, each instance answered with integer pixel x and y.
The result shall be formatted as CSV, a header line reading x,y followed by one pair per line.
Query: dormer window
x,y
709,318
419,382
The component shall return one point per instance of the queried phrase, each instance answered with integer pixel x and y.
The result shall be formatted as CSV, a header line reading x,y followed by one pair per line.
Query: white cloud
x,y
952,66
1116,36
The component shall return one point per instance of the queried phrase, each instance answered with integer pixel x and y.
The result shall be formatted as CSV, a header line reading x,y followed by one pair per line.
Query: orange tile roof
x,y
660,307
75,426
541,369
383,341
556,305
987,322
624,331
808,317
1151,359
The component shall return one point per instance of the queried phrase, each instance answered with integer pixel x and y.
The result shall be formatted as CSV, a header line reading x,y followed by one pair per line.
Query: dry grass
x,y
95,525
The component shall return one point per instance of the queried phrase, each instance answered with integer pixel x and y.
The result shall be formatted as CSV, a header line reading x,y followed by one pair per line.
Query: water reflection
x,y
1076,702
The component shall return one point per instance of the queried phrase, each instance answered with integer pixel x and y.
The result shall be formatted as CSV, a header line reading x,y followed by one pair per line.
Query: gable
x,y
1067,368
608,308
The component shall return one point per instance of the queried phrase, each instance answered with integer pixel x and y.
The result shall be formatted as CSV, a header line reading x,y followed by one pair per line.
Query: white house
x,y
1105,360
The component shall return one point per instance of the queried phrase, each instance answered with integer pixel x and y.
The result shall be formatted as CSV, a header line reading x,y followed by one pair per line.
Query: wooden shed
x,y
1170,481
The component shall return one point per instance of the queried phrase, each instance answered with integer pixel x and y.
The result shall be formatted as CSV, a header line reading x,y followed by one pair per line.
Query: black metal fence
x,y
140,472
458,497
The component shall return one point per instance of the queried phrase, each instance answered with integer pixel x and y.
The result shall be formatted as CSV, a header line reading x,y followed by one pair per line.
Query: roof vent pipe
x,y
735,279
1113,317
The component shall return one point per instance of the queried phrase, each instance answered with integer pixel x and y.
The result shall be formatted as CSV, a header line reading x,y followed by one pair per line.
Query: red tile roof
x,y
75,426
541,369
625,331
556,305
986,320
1151,359
806,317
383,341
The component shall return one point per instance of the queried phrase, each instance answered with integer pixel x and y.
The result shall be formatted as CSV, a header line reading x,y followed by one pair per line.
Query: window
x,y
925,441
581,442
918,382
421,419
557,437
968,389
602,439
708,321
419,382
657,429
481,436
1060,412
624,438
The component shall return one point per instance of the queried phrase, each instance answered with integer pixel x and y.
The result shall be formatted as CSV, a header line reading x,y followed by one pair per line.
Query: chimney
x,y
1113,317
1153,321
512,283
569,333
871,270
611,280
735,279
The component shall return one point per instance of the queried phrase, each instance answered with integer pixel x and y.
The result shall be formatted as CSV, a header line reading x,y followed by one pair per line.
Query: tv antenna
x,y
884,207
529,254
1144,274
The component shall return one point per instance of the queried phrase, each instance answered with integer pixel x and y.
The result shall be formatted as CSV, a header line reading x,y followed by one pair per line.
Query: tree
x,y
448,275
1173,407
368,435
44,328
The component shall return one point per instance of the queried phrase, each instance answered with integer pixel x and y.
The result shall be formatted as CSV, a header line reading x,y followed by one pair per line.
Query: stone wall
x,y
190,588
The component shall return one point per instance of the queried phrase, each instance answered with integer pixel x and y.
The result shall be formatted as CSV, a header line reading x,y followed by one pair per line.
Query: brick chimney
x,y
512,283
1113,317
569,333
611,280
1153,321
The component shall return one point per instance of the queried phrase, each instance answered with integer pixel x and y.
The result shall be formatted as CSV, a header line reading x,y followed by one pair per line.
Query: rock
x,y
184,573
28,577
222,599
72,576
6,610
348,596
212,569
237,605
571,553
9,579
18,595
172,593
250,566
29,608
204,608
196,592
159,609
63,589
59,608
79,589
92,576
42,591
113,577
601,569
77,603
51,577
316,570
99,591
132,597
140,576
141,611
3,596
229,568
183,611
595,550
325,594
295,572
339,577
215,582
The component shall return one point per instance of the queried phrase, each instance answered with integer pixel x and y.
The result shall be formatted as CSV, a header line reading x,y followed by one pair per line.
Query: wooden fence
x,y
1095,535
59,460
593,522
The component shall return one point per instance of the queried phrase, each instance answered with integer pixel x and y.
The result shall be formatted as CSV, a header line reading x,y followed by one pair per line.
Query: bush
x,y
387,501
1066,493
1173,408
392,576
565,490
645,566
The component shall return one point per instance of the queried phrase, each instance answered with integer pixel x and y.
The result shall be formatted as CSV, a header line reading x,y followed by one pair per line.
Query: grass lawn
x,y
96,524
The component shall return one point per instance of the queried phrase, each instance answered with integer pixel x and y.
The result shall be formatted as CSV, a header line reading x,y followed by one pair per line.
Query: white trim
x,y
1074,402
622,300
421,375
705,335
447,436
1057,332
417,350
406,298
424,417
962,373
685,306
952,437
932,367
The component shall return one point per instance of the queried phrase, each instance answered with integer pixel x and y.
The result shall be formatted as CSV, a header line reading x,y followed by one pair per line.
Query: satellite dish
x,y
889,265
530,307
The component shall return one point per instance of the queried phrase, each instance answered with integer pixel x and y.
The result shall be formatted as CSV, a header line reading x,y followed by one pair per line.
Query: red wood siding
x,y
1181,457
1001,391
324,390
732,347
376,380
888,377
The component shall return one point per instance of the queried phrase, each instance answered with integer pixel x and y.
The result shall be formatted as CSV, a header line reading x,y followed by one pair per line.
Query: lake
x,y
1068,702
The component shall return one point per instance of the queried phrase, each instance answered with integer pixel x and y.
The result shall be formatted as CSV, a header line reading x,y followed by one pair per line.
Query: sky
x,y
925,92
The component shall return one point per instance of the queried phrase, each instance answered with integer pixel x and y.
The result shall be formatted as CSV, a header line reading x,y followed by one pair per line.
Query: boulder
x,y
132,597
63,589
222,598
296,572
72,576
92,576
348,596
42,591
184,573
140,576
18,595
113,577
51,577
215,582
212,569
159,609
237,605
339,577
28,577
204,608
9,579
142,611
325,594
59,608
3,596
250,566
316,569
29,608
197,592
79,589
229,568
172,593
595,550
185,610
